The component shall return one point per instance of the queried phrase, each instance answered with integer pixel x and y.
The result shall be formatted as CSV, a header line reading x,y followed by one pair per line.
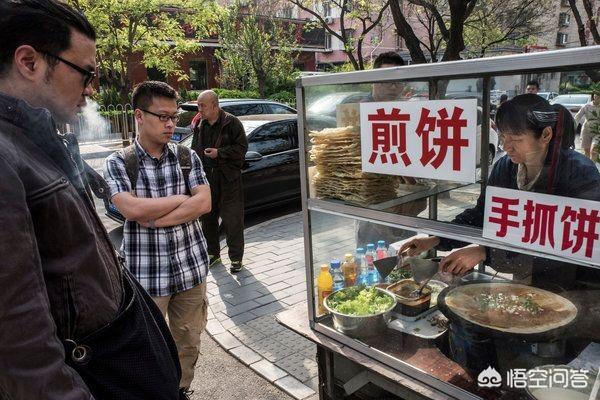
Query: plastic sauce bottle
x,y
324,287
349,270
381,250
337,275
361,267
373,276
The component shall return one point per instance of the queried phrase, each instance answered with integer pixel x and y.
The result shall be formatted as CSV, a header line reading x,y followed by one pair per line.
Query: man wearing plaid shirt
x,y
163,243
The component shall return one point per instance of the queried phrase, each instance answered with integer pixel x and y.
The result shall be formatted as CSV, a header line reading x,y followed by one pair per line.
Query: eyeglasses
x,y
163,117
88,75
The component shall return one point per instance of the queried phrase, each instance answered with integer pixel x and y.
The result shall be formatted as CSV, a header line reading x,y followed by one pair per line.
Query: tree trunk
x,y
405,31
591,20
456,43
579,21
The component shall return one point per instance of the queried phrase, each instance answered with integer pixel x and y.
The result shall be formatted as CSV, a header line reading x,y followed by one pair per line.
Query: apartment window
x,y
561,39
399,42
564,19
198,75
327,41
327,9
286,12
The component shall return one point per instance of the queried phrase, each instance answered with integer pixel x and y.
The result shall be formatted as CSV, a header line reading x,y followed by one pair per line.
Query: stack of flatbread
x,y
336,155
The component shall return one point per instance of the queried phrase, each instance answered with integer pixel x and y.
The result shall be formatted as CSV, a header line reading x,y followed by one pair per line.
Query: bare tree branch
x,y
591,20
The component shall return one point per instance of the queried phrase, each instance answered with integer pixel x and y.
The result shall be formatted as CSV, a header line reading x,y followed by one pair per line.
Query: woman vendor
x,y
538,139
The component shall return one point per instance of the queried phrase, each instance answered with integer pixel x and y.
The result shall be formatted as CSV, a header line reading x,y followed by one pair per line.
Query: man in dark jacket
x,y
221,142
74,324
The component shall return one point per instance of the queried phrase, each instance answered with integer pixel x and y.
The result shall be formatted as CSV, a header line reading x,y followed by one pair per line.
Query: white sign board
x,y
552,224
424,139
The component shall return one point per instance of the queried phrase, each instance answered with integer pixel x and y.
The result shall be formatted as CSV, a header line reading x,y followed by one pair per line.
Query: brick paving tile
x,y
267,309
298,366
246,333
246,306
227,340
245,355
268,370
272,350
238,320
294,387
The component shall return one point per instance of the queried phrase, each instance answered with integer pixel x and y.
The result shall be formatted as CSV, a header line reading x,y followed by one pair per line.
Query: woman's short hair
x,y
531,113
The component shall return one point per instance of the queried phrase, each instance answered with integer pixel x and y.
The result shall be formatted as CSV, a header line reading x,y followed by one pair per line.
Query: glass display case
x,y
493,208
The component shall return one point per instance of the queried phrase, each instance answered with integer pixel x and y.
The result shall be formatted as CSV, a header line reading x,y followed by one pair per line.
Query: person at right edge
x,y
538,139
74,324
220,140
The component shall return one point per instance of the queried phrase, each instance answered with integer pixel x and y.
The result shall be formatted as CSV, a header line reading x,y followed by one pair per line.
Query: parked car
x,y
573,102
237,107
547,95
327,104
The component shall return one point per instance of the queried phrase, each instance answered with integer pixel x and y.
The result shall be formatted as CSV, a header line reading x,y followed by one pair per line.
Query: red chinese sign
x,y
428,139
552,224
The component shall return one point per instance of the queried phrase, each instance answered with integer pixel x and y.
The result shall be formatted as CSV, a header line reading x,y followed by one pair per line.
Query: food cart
x,y
408,161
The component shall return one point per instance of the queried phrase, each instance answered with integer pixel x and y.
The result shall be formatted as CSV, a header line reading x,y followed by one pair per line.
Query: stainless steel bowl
x,y
361,326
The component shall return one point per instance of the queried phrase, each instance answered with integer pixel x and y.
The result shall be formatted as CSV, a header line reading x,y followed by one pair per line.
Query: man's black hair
x,y
532,113
534,83
145,92
45,25
389,57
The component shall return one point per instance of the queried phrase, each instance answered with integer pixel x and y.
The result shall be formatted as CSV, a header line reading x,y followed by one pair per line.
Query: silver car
x,y
573,102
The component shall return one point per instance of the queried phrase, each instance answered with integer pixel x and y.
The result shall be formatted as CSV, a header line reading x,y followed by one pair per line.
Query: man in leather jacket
x,y
220,141
73,323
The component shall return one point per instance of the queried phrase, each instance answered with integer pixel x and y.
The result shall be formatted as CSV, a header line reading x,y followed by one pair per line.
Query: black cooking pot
x,y
476,329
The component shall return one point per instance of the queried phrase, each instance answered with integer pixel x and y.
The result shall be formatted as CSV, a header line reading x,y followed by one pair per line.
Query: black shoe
x,y
185,393
213,260
236,266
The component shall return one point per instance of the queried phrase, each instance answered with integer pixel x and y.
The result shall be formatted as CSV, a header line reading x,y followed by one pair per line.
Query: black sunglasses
x,y
163,117
88,75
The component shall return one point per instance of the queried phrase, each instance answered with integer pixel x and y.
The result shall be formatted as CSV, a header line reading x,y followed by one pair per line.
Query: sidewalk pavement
x,y
242,306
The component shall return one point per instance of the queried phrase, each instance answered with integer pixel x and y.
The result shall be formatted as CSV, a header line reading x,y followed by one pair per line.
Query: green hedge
x,y
286,97
236,94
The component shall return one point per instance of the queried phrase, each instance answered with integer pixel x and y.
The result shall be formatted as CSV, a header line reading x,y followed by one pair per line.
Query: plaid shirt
x,y
164,260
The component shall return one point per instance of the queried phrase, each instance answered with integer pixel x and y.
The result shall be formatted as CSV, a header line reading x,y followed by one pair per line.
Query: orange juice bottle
x,y
349,270
324,287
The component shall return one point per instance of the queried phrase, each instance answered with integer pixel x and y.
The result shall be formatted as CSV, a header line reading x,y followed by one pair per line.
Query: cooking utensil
x,y
417,292
386,265
361,326
551,332
410,306
423,269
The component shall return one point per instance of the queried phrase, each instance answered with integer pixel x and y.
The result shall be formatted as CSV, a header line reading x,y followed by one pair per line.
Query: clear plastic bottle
x,y
324,287
373,275
337,275
381,250
362,277
370,255
349,270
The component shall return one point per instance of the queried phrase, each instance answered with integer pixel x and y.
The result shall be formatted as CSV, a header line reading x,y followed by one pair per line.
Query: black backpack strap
x,y
132,165
184,157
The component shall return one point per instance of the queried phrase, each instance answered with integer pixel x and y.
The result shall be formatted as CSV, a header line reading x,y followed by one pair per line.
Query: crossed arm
x,y
164,211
